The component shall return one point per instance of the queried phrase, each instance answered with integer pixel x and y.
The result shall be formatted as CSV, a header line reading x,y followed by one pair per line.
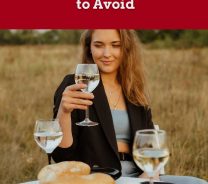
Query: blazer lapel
x,y
135,117
105,118
102,108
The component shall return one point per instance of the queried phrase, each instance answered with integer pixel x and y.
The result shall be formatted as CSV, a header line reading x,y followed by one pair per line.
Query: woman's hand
x,y
72,98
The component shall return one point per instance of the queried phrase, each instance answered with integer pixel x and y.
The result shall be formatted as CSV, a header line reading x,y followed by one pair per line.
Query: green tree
x,y
5,37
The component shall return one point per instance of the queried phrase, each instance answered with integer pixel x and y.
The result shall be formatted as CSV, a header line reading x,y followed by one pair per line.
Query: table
x,y
121,180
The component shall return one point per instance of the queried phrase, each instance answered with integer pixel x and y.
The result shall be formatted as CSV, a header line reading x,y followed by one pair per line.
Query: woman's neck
x,y
109,80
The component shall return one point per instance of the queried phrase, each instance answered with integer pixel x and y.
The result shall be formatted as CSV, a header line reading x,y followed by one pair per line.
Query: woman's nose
x,y
107,52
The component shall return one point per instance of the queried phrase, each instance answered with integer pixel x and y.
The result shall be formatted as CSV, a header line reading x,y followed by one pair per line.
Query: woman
x,y
119,103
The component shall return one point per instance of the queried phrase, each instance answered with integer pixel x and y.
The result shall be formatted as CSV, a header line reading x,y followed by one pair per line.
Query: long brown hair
x,y
130,73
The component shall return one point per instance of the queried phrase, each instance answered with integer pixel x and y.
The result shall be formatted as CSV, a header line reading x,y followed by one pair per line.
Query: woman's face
x,y
106,50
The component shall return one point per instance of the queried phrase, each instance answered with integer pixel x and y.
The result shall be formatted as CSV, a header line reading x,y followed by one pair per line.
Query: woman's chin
x,y
108,71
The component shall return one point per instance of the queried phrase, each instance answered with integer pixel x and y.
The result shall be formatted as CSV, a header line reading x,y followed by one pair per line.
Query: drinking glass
x,y
48,135
87,74
150,151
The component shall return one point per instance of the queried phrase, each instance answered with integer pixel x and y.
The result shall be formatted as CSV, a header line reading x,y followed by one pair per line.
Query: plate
x,y
128,180
114,173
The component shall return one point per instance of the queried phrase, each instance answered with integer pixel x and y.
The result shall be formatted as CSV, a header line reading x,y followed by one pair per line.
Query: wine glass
x,y
87,74
150,151
48,135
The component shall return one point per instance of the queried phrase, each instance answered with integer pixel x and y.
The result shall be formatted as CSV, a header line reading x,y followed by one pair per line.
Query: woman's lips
x,y
107,62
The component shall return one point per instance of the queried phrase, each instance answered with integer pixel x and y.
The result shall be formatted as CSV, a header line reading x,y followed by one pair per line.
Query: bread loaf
x,y
67,168
72,172
96,178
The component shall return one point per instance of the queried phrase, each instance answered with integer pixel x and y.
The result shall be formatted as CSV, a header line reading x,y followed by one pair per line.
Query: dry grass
x,y
29,75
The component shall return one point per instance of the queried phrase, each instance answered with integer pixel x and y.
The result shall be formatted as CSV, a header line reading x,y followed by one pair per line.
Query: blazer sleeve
x,y
64,154
58,94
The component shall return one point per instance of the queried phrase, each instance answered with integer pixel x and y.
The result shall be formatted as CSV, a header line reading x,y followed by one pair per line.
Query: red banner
x,y
81,14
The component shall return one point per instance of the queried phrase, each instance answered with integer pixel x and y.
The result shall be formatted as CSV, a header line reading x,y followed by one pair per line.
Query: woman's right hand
x,y
73,98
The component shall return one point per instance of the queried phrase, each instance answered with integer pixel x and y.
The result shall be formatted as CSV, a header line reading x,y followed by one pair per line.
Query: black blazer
x,y
97,145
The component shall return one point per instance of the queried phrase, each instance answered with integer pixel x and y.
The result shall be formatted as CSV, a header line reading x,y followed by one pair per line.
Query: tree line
x,y
154,38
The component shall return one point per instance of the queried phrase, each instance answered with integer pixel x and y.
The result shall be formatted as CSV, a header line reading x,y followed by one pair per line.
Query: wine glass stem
x,y
87,114
151,180
49,158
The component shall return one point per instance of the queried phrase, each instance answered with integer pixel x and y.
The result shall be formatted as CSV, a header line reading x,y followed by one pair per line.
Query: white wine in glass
x,y
150,151
87,74
48,135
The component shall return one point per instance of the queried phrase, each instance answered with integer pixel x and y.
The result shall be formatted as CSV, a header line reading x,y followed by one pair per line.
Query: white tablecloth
x,y
121,180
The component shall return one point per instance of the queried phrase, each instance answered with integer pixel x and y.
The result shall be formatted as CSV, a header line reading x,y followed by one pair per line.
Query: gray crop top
x,y
121,125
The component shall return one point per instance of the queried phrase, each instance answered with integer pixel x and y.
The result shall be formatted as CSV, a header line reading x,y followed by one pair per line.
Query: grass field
x,y
29,75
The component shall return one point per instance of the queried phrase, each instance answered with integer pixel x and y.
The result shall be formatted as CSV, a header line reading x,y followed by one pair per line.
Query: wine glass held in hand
x,y
87,74
150,151
48,135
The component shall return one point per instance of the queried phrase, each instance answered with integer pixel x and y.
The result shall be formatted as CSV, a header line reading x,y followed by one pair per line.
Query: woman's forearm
x,y
71,99
65,123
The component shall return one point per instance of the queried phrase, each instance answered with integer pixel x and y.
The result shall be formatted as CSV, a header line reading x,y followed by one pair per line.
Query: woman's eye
x,y
98,45
116,45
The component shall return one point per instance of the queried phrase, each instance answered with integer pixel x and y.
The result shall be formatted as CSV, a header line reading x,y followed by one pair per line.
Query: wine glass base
x,y
87,123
